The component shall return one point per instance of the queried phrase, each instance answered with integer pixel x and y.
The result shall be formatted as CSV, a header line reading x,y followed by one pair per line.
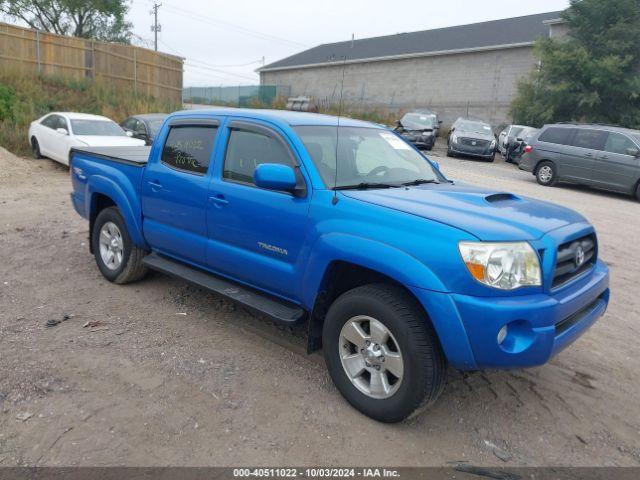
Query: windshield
x,y
365,156
417,121
97,127
477,127
155,125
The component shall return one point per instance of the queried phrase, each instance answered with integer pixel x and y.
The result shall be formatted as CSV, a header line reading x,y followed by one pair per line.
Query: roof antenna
x,y
334,200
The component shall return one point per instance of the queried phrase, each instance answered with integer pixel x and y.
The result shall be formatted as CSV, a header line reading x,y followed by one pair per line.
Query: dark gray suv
x,y
595,155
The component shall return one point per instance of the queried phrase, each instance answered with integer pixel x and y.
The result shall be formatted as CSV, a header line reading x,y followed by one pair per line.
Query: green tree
x,y
98,19
593,74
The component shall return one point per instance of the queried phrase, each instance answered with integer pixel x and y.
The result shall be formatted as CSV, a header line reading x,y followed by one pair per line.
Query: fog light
x,y
502,334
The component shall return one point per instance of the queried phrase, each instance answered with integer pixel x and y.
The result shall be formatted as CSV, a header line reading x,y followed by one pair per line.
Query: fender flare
x,y
372,254
132,214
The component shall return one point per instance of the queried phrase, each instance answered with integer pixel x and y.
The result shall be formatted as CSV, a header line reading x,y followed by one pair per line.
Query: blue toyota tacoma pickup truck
x,y
398,271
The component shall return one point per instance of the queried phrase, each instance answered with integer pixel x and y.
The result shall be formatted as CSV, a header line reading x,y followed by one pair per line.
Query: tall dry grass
x,y
24,98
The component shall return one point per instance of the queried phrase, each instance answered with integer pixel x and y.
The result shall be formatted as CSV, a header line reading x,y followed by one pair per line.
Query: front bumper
x,y
421,142
538,326
473,151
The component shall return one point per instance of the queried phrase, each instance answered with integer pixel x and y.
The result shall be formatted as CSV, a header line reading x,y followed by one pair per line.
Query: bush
x,y
7,101
31,96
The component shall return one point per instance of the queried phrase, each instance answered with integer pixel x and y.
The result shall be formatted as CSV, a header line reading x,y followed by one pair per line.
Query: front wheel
x,y
35,148
638,192
382,352
118,258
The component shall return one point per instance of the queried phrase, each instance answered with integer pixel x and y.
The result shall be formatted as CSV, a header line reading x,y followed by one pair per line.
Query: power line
x,y
238,28
192,63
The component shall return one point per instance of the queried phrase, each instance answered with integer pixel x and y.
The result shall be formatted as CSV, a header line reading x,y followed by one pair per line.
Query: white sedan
x,y
56,133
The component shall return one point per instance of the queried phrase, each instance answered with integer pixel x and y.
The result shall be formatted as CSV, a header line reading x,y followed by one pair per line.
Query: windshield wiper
x,y
419,181
365,186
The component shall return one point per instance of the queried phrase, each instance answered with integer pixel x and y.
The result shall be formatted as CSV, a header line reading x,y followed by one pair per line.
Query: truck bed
x,y
131,155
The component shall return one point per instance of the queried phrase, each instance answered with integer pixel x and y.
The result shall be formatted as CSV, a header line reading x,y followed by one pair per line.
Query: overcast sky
x,y
223,41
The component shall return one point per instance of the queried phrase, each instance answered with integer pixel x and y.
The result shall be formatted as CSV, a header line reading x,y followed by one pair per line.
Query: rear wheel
x,y
119,260
546,174
35,148
382,353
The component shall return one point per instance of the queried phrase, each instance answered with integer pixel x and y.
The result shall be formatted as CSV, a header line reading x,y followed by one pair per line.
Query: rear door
x,y
256,235
615,168
175,190
580,155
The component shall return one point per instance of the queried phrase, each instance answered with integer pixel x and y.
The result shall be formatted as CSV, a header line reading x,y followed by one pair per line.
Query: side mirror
x,y
129,133
634,152
274,176
439,122
62,131
519,140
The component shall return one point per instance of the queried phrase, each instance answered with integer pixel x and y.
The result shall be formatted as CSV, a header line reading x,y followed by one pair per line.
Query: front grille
x,y
478,143
571,262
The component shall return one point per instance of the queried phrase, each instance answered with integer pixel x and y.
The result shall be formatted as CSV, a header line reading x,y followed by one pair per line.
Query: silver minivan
x,y
596,155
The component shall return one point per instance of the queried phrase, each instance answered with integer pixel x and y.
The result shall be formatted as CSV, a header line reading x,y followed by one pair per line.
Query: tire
x,y
638,192
130,267
450,153
35,148
410,337
492,158
546,174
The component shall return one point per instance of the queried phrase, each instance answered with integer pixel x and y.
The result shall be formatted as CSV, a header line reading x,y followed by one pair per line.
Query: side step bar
x,y
277,309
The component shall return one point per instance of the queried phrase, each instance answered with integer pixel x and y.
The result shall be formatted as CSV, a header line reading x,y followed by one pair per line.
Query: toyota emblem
x,y
579,258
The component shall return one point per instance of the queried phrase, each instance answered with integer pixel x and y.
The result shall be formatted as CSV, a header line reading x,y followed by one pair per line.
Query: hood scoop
x,y
497,198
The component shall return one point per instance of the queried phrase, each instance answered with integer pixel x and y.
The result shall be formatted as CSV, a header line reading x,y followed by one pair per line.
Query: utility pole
x,y
155,28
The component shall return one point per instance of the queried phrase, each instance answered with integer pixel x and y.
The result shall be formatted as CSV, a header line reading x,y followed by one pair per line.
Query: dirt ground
x,y
178,376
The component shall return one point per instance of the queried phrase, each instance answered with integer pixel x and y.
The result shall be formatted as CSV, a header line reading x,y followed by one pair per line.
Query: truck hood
x,y
109,141
490,215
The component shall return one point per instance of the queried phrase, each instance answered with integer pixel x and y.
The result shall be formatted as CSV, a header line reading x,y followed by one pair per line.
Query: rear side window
x,y
592,139
617,143
188,148
247,149
556,135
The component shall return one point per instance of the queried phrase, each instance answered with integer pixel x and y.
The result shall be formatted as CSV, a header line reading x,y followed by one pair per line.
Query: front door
x,y
175,190
616,167
256,235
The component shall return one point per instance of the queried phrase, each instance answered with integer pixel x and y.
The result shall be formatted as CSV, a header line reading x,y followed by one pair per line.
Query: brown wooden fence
x,y
139,69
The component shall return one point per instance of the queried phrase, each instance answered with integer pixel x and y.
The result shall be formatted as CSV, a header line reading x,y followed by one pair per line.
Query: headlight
x,y
493,144
454,138
506,266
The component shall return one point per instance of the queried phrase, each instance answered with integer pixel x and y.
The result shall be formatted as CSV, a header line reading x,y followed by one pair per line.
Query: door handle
x,y
604,157
588,154
219,200
155,185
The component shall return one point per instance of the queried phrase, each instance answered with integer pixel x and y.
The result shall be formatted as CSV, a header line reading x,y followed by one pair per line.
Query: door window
x,y
129,124
188,148
557,135
618,143
247,149
591,139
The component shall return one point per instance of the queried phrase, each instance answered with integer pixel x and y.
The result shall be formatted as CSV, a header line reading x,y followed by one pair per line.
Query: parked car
x,y
419,128
145,127
508,136
595,155
341,223
54,134
473,138
516,146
